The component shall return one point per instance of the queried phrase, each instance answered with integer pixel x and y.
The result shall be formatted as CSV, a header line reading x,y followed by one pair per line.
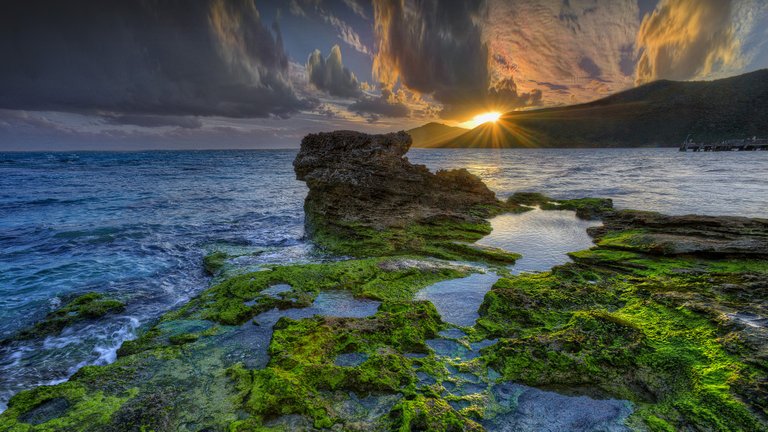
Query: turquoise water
x,y
136,225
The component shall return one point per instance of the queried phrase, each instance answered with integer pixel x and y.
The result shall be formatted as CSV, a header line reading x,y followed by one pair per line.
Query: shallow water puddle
x,y
544,238
249,342
457,300
275,290
531,409
350,359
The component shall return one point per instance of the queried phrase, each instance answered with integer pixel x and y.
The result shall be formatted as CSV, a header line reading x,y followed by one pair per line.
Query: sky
x,y
216,74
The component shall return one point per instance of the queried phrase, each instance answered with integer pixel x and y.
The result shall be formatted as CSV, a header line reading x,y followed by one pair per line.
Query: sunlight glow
x,y
482,118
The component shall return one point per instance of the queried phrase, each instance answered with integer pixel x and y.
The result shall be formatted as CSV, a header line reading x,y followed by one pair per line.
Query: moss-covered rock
x,y
214,261
585,208
642,327
65,407
302,370
85,307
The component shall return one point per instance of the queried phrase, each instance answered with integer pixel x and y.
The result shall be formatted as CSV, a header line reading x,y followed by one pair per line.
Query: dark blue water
x,y
136,225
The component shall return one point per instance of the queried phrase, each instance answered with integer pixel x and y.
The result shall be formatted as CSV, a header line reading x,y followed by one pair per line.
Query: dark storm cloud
x,y
330,75
385,105
151,121
437,48
167,57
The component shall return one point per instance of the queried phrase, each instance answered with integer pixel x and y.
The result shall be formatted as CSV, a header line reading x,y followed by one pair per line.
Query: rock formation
x,y
361,179
684,235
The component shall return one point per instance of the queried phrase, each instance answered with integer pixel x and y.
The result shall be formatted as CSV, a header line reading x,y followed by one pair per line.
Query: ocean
x,y
137,225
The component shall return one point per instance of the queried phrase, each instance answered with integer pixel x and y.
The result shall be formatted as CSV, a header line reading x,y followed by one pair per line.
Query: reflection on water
x,y
656,179
542,237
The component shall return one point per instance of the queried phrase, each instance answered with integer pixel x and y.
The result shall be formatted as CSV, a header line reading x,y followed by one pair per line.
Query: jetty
x,y
749,144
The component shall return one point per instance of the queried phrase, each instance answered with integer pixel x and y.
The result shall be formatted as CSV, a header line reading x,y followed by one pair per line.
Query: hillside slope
x,y
661,113
434,134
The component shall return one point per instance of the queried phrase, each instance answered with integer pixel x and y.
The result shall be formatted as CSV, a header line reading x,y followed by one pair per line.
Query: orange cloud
x,y
687,39
439,51
564,49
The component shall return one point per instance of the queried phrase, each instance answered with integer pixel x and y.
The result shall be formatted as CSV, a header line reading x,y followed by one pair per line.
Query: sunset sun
x,y
479,119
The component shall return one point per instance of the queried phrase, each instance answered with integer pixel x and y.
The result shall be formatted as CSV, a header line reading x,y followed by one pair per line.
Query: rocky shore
x,y
661,326
366,199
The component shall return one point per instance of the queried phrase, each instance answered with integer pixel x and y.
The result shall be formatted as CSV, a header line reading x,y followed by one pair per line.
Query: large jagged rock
x,y
361,179
684,235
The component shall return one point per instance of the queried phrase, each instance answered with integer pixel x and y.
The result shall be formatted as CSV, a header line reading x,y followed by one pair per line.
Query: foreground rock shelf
x,y
662,325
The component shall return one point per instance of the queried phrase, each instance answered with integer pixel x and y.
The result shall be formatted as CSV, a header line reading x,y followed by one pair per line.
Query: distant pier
x,y
751,144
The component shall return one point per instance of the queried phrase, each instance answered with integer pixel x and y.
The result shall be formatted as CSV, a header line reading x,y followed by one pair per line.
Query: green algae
x,y
214,261
585,208
442,238
618,322
429,414
630,328
226,302
179,372
85,307
633,240
83,410
302,369
528,198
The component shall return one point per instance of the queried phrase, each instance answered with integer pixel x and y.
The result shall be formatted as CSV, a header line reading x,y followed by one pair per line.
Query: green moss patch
x,y
214,261
66,407
442,238
639,327
85,307
585,208
302,371
238,299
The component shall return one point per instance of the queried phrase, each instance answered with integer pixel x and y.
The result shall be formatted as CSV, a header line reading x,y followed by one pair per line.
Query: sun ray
x,y
479,119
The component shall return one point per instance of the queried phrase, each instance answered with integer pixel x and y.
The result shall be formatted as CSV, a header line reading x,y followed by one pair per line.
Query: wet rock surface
x,y
717,236
532,409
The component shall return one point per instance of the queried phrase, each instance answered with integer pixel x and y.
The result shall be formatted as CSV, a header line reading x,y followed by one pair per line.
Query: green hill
x,y
434,134
657,114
